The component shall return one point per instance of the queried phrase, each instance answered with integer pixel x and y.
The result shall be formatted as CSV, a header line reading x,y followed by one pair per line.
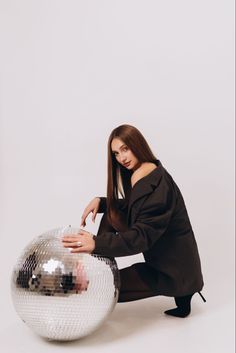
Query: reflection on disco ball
x,y
63,295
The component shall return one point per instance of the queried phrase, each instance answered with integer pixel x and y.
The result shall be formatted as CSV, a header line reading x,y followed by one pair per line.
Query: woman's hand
x,y
85,239
93,206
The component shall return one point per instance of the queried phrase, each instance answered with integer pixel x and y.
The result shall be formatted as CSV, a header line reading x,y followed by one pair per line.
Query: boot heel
x,y
202,297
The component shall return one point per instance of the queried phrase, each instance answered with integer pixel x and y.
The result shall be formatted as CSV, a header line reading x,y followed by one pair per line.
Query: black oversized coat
x,y
159,227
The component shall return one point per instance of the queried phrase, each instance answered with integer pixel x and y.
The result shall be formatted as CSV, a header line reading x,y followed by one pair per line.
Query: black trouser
x,y
137,281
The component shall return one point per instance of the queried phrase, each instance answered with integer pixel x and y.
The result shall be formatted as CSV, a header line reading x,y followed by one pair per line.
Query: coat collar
x,y
146,185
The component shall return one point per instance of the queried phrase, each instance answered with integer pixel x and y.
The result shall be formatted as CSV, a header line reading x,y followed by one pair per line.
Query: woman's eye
x,y
124,149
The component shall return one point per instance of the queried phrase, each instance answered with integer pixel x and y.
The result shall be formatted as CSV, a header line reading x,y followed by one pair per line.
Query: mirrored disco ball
x,y
62,295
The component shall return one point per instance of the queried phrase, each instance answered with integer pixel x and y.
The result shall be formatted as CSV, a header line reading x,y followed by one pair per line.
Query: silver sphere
x,y
62,295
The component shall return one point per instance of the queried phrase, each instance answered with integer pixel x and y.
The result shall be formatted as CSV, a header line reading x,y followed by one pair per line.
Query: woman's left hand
x,y
87,243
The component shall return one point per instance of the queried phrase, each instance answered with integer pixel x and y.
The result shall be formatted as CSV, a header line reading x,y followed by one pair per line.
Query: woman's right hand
x,y
93,207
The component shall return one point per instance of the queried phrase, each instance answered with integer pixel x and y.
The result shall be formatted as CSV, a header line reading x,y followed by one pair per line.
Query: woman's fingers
x,y
93,207
85,215
94,215
74,238
71,238
82,224
69,242
82,221
83,218
81,242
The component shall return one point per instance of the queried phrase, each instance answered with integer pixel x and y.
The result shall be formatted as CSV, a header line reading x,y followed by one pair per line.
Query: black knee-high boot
x,y
183,306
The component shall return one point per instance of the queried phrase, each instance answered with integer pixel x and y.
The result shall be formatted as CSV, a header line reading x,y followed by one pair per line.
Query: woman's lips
x,y
126,164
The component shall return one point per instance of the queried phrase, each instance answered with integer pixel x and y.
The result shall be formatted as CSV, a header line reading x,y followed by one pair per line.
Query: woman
x,y
151,218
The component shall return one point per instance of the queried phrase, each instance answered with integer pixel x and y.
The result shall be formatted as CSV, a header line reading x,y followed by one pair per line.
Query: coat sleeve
x,y
103,204
151,223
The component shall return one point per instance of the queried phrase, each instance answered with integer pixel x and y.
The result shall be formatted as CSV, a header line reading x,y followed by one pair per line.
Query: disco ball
x,y
62,295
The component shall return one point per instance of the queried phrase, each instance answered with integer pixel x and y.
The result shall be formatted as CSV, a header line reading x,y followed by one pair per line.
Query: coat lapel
x,y
143,187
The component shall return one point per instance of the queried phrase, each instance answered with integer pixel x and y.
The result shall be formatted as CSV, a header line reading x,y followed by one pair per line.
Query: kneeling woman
x,y
150,218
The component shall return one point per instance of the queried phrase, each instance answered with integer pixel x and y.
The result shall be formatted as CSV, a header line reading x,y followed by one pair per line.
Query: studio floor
x,y
139,325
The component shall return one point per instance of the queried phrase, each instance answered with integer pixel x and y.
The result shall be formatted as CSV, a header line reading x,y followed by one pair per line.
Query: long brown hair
x,y
119,177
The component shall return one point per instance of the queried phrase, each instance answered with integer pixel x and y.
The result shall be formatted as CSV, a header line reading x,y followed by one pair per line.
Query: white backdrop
x,y
72,71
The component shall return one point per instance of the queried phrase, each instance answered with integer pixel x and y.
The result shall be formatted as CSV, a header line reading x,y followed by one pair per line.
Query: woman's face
x,y
123,154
